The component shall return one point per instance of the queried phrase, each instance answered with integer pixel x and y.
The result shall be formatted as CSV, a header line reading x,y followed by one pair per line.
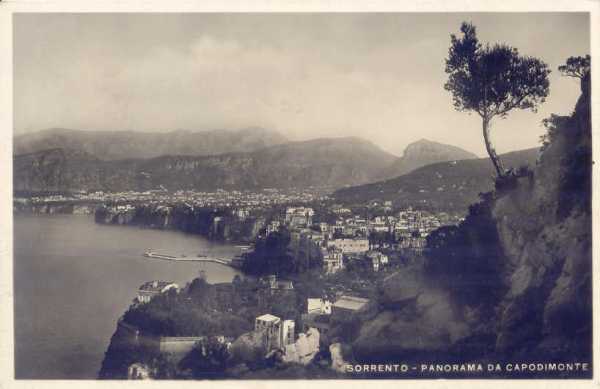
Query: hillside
x,y
422,153
513,282
331,162
447,185
114,145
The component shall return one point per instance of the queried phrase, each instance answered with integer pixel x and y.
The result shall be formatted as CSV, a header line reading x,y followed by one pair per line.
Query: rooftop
x,y
155,286
350,302
268,317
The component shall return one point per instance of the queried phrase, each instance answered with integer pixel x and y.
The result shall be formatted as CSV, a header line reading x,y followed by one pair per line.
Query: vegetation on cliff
x,y
275,254
492,80
511,282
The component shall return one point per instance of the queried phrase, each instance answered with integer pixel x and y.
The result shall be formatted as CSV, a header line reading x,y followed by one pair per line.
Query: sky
x,y
378,76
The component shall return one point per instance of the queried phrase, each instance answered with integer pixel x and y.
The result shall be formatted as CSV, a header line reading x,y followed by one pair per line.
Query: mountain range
x,y
428,173
113,145
324,162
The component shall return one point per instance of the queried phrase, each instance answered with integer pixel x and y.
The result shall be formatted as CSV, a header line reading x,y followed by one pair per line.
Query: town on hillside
x,y
309,272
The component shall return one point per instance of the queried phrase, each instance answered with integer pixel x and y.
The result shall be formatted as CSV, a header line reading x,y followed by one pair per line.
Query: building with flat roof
x,y
350,245
346,305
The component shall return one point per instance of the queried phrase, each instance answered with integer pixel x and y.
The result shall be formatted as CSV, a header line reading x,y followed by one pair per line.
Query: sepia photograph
x,y
301,196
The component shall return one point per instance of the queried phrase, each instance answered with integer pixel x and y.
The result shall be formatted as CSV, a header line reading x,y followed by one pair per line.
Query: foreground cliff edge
x,y
514,280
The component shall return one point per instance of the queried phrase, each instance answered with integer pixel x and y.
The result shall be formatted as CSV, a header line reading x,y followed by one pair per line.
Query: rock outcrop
x,y
544,224
415,319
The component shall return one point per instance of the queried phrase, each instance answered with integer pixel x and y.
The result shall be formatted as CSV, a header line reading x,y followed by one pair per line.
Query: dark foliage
x,y
468,259
578,67
273,255
194,312
208,359
270,255
552,124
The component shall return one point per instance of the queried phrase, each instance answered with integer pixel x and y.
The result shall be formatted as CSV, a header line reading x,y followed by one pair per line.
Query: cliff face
x,y
51,209
214,225
516,275
544,226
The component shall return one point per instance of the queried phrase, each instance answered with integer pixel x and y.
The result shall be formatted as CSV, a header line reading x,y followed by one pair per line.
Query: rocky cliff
x,y
513,281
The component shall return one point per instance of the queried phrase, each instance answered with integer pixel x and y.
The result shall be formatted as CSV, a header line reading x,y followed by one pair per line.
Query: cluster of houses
x,y
280,335
351,237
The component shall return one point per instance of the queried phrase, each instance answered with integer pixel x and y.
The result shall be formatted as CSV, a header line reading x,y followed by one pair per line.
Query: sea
x,y
74,278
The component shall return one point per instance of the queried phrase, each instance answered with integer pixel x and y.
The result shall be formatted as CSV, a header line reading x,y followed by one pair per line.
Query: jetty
x,y
183,258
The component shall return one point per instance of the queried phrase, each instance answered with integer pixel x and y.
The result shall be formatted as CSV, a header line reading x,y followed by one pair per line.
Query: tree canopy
x,y
577,67
492,80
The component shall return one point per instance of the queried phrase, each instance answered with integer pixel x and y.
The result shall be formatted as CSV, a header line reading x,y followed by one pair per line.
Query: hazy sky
x,y
378,76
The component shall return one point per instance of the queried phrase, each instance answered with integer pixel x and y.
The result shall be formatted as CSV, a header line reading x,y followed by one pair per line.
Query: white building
x,y
299,216
318,306
333,260
350,245
278,333
154,288
377,258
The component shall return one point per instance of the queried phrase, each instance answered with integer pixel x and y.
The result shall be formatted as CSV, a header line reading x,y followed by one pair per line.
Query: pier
x,y
165,257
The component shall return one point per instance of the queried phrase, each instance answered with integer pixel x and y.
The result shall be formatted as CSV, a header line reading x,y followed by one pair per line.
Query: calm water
x,y
73,279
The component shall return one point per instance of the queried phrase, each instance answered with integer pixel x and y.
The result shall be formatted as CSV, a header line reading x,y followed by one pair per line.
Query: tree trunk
x,y
490,149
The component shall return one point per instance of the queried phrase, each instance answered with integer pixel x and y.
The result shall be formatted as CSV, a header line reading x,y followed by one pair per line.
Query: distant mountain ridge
x,y
422,153
115,145
327,162
446,185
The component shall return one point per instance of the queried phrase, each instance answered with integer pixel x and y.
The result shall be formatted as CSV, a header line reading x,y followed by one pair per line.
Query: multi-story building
x,y
333,260
377,259
350,245
278,333
298,217
273,227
